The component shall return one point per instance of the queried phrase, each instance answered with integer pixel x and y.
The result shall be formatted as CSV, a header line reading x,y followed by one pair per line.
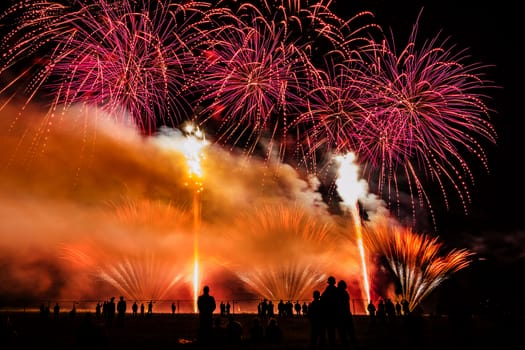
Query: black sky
x,y
492,31
492,34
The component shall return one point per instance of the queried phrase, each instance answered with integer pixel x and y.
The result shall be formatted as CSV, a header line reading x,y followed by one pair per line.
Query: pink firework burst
x,y
427,115
254,81
413,118
128,57
334,115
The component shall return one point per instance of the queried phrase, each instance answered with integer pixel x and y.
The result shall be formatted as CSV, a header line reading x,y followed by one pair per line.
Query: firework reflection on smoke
x,y
418,261
137,264
146,276
284,252
128,213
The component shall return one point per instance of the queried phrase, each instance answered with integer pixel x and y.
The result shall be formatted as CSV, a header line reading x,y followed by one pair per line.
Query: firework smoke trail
x,y
351,189
427,112
417,260
126,57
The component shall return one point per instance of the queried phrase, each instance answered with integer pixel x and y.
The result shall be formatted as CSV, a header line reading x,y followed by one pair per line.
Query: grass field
x,y
164,331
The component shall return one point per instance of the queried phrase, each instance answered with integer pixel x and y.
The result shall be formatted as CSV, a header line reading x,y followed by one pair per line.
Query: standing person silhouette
x,y
121,309
345,324
315,316
331,310
206,305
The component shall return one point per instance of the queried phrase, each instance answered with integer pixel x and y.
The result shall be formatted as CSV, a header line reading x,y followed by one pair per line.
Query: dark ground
x,y
164,331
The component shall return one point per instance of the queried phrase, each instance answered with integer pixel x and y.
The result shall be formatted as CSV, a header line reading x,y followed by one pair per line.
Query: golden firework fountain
x,y
194,144
350,188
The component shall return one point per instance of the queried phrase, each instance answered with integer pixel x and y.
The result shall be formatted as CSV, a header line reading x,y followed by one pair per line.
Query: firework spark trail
x,y
292,242
418,261
128,57
255,79
351,190
334,114
140,277
427,113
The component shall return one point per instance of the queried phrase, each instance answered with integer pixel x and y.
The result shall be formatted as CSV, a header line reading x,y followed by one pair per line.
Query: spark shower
x,y
93,93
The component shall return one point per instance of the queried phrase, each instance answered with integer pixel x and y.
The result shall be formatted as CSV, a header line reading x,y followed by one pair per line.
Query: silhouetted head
x,y
317,294
341,284
331,280
206,289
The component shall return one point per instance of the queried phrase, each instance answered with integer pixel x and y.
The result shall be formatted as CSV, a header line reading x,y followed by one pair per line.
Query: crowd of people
x,y
328,312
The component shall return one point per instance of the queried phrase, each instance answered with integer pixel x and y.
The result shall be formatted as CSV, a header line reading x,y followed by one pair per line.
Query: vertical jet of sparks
x,y
193,145
351,189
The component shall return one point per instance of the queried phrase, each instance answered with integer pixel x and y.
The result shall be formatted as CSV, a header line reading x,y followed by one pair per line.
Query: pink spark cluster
x,y
272,77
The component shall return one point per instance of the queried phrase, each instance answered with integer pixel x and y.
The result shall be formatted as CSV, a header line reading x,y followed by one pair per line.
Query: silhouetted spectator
x,y
56,310
406,307
121,308
98,310
270,309
222,308
297,307
280,308
150,308
173,308
263,308
142,309
289,308
44,311
390,310
398,308
206,305
274,334
381,312
228,307
371,308
345,325
315,316
256,333
304,309
135,309
331,310
73,311
111,309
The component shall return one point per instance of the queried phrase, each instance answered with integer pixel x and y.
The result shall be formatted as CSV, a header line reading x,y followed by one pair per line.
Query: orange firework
x,y
296,249
418,261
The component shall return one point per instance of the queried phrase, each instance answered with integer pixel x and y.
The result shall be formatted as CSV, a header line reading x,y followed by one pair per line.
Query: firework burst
x,y
418,261
254,80
293,244
126,57
426,114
